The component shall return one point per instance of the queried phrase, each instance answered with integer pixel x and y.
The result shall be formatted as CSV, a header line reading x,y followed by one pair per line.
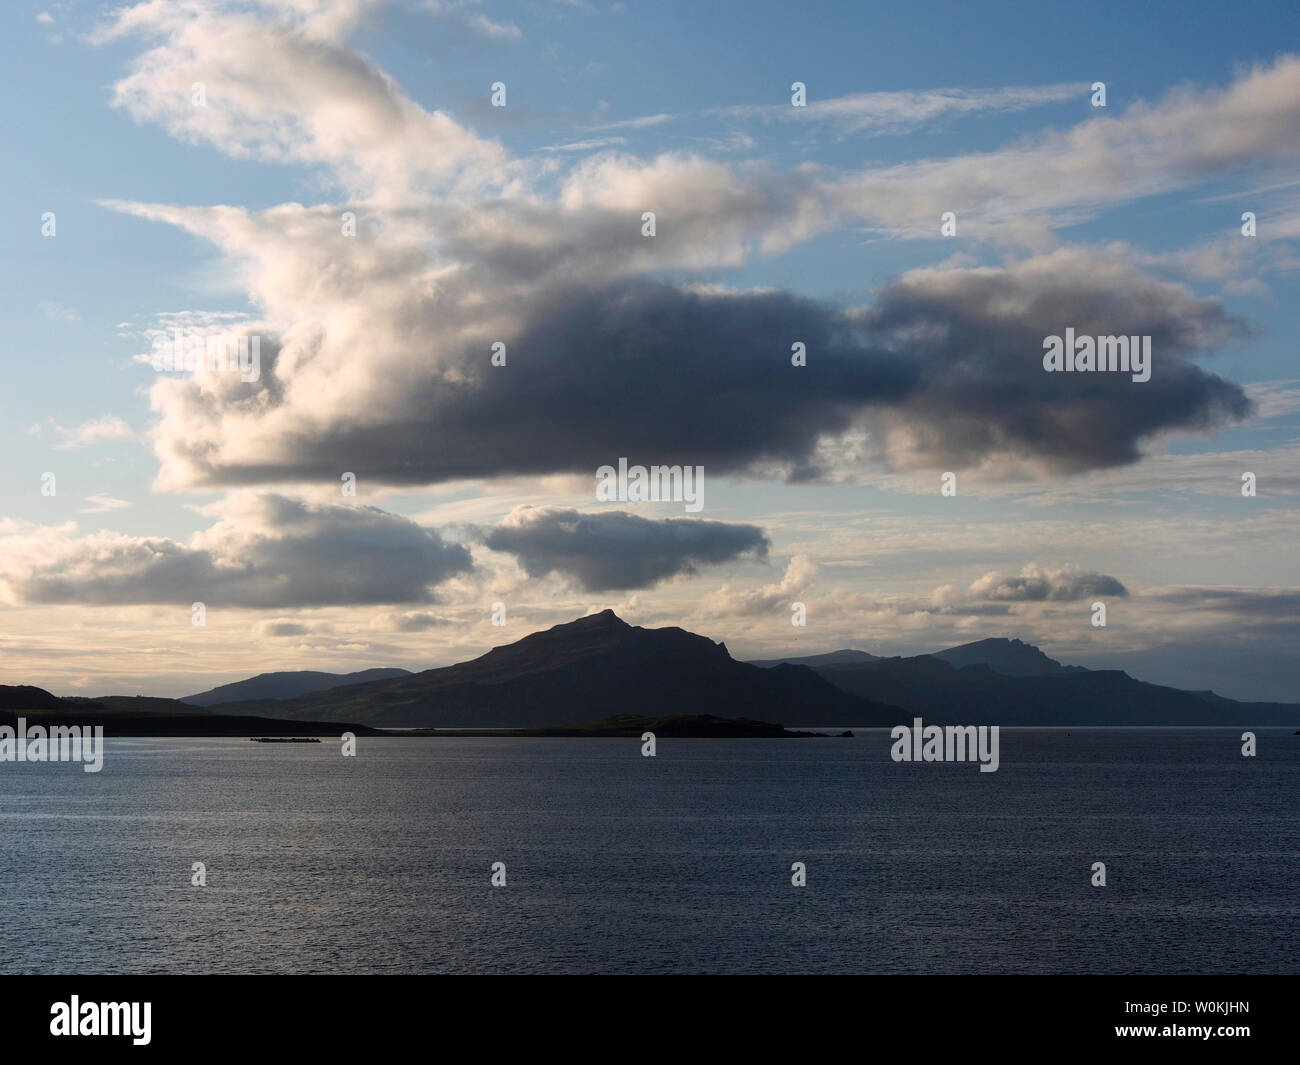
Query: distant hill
x,y
195,724
940,693
286,685
138,704
828,659
1012,658
589,669
26,697
1010,682
144,716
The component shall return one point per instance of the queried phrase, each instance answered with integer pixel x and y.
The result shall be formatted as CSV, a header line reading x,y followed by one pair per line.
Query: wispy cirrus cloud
x,y
104,504
99,430
595,144
639,122
901,112
468,15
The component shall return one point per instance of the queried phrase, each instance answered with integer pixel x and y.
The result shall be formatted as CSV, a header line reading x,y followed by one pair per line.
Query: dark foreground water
x,y
681,863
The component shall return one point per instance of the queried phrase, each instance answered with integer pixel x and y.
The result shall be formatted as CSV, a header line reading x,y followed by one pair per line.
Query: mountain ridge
x,y
587,669
1008,656
943,694
598,666
826,659
286,684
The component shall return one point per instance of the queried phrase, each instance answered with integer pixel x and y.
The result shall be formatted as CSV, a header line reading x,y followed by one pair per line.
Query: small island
x,y
693,726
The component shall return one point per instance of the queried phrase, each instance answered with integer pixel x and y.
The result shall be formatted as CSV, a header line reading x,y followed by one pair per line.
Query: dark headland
x,y
141,716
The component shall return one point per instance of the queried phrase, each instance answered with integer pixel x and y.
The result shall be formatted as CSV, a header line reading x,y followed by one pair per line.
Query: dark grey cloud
x,y
283,628
978,335
974,610
1283,602
615,550
1037,584
643,370
1277,609
266,552
418,621
944,371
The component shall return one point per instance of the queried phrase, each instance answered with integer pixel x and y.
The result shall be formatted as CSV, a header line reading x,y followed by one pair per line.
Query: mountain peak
x,y
602,617
26,697
585,635
1008,656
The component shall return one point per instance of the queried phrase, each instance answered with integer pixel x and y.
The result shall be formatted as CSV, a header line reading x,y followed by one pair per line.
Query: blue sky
x,y
476,218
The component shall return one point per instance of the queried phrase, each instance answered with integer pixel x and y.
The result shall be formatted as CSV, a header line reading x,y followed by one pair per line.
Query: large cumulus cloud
x,y
978,336
1041,584
265,552
393,380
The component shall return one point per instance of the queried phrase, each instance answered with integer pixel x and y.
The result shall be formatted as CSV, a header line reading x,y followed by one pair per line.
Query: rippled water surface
x,y
618,863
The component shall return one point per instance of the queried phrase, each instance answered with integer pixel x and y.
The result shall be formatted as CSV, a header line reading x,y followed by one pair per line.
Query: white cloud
x,y
898,112
264,551
95,431
728,601
464,13
102,504
284,88
58,312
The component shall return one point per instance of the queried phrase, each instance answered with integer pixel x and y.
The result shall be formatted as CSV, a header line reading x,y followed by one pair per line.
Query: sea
x,y
685,862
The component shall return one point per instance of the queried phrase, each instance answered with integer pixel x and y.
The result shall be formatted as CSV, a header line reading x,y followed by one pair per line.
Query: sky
x,y
484,249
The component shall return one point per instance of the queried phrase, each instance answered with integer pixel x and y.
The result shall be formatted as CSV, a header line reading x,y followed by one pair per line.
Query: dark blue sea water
x,y
680,863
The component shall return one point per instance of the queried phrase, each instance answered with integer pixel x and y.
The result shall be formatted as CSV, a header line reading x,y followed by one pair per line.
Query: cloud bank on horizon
x,y
469,328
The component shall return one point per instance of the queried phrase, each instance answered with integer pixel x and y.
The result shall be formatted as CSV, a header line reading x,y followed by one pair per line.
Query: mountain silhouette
x,y
942,693
286,685
830,658
144,716
1012,658
27,697
589,669
599,667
